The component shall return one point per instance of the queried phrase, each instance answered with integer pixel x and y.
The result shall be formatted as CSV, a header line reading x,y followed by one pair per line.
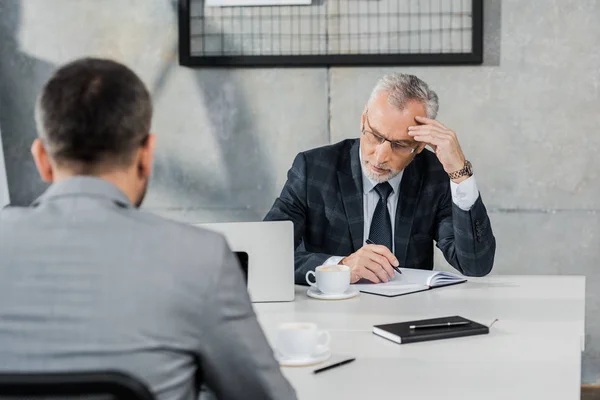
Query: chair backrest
x,y
113,384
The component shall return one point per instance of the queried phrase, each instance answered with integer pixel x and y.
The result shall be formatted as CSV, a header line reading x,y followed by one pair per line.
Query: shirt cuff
x,y
464,194
333,260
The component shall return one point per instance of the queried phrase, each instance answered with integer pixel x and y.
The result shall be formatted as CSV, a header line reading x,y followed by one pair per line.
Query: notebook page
x,y
411,281
442,278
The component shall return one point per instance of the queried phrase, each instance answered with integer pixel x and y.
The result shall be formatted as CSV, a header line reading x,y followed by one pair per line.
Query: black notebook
x,y
402,332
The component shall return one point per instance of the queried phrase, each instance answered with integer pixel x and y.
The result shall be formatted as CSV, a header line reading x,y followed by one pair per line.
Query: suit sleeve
x,y
237,361
465,237
292,205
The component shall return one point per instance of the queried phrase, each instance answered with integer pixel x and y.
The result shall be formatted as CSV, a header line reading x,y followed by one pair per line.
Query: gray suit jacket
x,y
323,197
89,282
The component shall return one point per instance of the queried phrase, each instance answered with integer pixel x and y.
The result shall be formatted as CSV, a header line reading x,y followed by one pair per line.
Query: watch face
x,y
469,168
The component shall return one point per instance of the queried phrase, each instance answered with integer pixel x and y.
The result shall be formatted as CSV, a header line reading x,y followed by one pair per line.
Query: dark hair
x,y
93,113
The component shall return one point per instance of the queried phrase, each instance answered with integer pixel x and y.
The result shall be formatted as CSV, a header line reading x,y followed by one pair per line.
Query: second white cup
x,y
330,279
298,340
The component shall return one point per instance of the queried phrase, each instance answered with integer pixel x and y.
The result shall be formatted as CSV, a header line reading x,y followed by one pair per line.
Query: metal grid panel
x,y
332,32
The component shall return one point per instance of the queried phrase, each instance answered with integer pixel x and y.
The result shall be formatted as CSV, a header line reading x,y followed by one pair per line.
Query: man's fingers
x,y
432,139
354,276
365,273
377,270
423,129
425,120
384,262
384,251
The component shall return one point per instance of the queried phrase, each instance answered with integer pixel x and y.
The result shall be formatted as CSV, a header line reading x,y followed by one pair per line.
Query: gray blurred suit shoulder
x,y
197,250
179,229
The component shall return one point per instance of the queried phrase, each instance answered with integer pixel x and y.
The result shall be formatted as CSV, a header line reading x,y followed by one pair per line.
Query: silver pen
x,y
442,325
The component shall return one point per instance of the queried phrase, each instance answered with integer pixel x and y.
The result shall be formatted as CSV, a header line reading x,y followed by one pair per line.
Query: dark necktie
x,y
381,224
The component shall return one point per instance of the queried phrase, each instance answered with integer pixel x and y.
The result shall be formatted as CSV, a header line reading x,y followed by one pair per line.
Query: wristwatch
x,y
467,170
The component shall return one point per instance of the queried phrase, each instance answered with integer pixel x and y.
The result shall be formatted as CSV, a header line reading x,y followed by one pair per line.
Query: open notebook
x,y
411,281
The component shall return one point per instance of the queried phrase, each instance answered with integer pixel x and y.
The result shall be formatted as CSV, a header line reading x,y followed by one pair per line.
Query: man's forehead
x,y
380,106
393,123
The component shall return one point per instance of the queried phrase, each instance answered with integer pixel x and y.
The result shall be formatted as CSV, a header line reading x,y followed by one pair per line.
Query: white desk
x,y
533,351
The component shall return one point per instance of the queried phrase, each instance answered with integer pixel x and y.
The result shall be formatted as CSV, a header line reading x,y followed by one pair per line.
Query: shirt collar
x,y
369,184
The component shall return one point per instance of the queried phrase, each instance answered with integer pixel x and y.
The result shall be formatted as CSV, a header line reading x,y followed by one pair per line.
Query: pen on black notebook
x,y
316,371
369,241
442,325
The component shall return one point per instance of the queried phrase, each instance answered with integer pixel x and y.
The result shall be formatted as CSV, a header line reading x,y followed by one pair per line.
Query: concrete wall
x,y
526,119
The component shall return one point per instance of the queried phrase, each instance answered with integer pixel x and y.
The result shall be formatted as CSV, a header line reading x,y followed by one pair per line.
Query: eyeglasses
x,y
376,139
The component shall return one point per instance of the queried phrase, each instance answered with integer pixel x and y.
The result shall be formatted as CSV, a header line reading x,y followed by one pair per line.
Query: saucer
x,y
317,294
319,357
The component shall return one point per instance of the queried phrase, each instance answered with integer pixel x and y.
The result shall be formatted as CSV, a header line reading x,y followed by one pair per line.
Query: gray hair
x,y
402,88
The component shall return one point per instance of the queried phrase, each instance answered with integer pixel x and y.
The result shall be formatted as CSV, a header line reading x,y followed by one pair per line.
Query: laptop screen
x,y
242,257
265,252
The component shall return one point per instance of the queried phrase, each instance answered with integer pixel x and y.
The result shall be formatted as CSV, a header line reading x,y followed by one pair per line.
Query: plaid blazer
x,y
323,197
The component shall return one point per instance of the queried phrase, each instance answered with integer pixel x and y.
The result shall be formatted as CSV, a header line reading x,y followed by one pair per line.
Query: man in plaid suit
x,y
381,201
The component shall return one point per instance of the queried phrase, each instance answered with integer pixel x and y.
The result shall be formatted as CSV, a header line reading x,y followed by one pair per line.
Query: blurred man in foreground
x,y
89,282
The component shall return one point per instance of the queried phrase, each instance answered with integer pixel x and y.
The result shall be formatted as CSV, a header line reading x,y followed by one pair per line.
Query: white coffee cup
x,y
330,279
299,340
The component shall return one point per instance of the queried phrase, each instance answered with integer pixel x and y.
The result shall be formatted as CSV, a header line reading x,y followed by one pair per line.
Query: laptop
x,y
4,199
265,251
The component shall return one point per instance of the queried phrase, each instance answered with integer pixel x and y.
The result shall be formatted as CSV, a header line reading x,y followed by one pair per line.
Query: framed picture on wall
x,y
330,32
249,3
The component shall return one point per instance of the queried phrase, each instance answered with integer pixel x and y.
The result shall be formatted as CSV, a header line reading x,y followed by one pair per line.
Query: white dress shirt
x,y
464,195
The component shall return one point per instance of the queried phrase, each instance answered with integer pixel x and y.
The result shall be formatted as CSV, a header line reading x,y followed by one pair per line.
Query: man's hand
x,y
373,262
443,141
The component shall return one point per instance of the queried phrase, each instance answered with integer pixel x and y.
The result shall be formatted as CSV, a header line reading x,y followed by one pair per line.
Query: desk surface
x,y
533,351
535,305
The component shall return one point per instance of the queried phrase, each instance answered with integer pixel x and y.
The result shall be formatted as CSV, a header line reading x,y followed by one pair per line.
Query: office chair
x,y
76,385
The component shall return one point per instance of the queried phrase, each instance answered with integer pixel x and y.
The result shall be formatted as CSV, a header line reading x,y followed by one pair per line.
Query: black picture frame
x,y
186,58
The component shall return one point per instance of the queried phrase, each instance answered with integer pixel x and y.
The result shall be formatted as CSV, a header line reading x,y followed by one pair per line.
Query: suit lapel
x,y
350,181
410,188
